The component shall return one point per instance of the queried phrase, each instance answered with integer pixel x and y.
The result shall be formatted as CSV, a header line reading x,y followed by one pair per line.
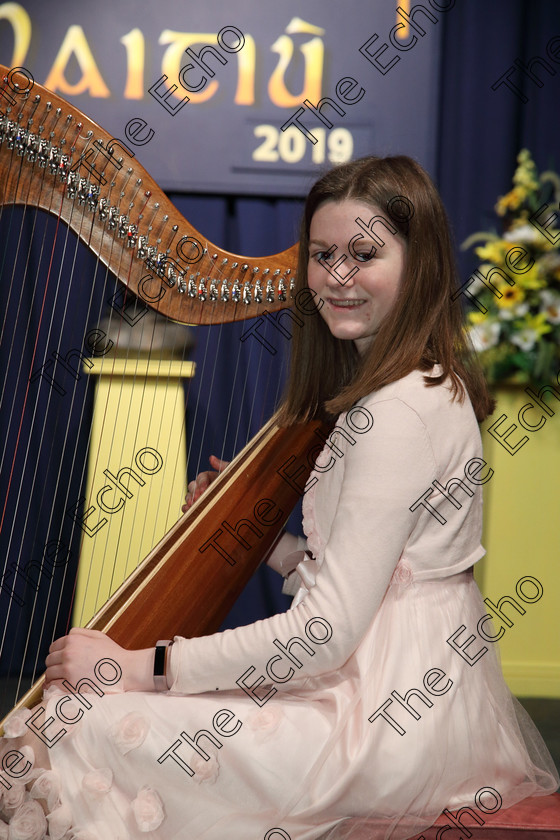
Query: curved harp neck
x,y
52,156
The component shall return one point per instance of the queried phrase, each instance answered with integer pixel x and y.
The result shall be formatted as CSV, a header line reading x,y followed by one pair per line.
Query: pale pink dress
x,y
319,742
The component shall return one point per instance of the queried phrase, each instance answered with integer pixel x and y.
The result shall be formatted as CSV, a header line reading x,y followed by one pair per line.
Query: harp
x,y
65,181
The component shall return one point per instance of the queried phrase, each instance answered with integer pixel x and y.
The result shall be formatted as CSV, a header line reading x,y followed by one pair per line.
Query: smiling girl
x,y
348,716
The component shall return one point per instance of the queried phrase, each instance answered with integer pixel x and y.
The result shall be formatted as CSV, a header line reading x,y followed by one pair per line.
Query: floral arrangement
x,y
518,336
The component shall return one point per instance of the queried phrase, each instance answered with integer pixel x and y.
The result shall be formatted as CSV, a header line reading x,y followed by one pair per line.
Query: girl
x,y
370,706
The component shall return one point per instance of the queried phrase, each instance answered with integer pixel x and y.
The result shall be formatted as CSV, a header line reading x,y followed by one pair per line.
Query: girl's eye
x,y
323,256
365,256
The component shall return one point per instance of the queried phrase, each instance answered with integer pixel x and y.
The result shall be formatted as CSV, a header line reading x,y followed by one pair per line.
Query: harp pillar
x,y
136,475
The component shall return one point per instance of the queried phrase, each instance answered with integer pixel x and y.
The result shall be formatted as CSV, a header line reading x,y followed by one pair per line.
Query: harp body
x,y
53,158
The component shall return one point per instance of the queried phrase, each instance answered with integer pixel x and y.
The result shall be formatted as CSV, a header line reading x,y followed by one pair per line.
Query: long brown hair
x,y
425,324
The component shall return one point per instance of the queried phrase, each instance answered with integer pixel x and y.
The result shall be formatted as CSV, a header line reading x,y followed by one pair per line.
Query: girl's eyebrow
x,y
317,242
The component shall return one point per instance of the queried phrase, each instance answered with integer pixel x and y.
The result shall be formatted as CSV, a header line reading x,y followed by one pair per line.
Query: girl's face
x,y
353,308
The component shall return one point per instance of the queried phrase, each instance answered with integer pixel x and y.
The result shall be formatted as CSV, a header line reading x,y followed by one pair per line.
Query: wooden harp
x,y
54,159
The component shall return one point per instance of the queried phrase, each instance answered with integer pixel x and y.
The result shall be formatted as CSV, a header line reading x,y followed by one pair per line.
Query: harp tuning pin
x,y
234,265
175,228
255,269
214,256
171,277
224,261
131,234
244,267
269,291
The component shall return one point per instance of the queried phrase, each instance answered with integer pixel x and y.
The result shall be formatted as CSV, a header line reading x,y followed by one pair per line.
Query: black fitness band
x,y
160,663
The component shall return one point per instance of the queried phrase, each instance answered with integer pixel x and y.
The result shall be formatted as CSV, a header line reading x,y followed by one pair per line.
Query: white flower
x,y
129,732
98,782
47,787
485,335
205,770
550,303
523,233
28,822
14,797
59,822
509,313
525,339
264,722
14,726
148,809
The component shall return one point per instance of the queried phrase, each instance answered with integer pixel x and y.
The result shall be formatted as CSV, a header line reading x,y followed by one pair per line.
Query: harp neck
x,y
52,156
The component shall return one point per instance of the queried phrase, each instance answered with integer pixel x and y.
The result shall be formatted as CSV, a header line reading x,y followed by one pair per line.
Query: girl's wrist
x,y
140,670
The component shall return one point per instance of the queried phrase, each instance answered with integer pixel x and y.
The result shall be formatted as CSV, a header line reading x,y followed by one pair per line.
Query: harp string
x,y
36,280
111,362
33,422
11,476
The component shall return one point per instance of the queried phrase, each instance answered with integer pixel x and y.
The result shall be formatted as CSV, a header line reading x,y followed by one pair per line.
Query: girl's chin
x,y
345,332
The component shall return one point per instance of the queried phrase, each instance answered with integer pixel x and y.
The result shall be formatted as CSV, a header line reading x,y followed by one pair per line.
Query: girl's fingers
x,y
201,483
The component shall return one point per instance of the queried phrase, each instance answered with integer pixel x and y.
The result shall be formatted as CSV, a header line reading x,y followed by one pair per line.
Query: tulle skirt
x,y
418,720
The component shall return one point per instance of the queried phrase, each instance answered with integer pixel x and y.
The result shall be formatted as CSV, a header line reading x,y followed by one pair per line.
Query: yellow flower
x,y
532,279
526,182
476,317
494,251
526,173
511,295
511,201
538,323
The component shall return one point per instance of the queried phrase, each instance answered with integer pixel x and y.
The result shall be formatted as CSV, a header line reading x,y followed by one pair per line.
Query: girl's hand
x,y
75,656
202,482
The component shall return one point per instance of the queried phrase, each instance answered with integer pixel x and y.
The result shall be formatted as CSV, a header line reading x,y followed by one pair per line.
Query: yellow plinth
x,y
136,472
522,538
